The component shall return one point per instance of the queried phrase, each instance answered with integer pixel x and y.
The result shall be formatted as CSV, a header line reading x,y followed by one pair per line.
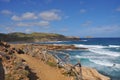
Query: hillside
x,y
34,37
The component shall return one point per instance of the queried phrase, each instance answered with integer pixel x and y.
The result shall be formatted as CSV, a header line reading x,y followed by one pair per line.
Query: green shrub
x,y
51,64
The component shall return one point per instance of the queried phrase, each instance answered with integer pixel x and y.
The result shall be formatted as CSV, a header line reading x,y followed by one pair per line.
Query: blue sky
x,y
97,18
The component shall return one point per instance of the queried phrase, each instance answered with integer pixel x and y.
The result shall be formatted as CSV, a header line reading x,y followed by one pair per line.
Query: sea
x,y
103,54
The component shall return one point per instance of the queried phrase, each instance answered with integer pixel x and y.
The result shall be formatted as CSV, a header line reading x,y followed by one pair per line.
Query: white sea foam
x,y
90,46
99,49
97,46
100,62
83,40
105,52
92,57
117,65
105,63
114,46
77,56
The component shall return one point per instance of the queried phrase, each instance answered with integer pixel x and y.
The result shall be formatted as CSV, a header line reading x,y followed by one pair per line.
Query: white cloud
x,y
43,23
118,9
29,15
87,23
83,10
28,30
6,12
25,16
16,18
29,24
50,15
21,24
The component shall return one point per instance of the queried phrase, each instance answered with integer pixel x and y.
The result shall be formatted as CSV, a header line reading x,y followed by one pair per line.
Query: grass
x,y
52,64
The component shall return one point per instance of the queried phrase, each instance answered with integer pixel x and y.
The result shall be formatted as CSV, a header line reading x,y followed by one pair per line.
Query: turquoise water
x,y
103,54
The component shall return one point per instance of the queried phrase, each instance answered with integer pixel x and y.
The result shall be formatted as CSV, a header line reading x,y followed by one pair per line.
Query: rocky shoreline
x,y
15,67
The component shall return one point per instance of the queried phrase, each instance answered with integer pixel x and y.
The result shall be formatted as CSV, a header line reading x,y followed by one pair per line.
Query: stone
x,y
2,73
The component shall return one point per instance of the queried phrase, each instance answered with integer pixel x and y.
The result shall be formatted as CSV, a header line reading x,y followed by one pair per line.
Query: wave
x,y
96,46
114,46
83,40
101,62
92,57
99,49
89,46
105,52
105,63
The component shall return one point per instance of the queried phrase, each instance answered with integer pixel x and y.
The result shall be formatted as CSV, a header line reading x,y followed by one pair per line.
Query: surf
x,y
105,52
89,46
105,63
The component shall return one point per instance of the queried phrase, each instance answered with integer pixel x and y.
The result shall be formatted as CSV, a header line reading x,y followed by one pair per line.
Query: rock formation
x,y
15,68
2,73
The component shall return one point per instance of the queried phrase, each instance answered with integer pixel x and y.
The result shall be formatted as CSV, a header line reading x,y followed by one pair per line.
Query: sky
x,y
96,18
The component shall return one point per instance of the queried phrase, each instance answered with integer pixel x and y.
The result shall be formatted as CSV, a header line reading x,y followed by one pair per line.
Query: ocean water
x,y
103,54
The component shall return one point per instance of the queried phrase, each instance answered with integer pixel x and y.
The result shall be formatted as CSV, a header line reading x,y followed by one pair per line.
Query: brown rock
x,y
92,74
2,74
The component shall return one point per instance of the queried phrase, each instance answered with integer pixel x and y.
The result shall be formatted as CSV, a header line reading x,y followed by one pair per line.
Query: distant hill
x,y
34,37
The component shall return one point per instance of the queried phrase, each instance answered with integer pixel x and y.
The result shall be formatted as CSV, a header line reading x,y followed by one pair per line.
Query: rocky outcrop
x,y
58,46
92,74
36,50
15,67
2,73
11,67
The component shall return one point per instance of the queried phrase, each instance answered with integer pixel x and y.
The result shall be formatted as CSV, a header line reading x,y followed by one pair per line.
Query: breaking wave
x,y
105,52
83,40
114,46
105,63
90,46
99,49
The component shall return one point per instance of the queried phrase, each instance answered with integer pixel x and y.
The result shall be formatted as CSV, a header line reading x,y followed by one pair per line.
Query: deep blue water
x,y
103,54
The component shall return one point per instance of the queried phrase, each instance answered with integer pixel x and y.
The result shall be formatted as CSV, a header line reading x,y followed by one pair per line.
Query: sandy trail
x,y
42,70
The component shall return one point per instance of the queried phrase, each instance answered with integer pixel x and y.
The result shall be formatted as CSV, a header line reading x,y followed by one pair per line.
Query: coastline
x,y
34,50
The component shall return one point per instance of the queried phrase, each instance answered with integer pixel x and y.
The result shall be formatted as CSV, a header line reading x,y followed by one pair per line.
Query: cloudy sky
x,y
97,18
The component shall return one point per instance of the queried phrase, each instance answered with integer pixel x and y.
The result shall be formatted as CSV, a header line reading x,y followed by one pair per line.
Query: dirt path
x,y
43,71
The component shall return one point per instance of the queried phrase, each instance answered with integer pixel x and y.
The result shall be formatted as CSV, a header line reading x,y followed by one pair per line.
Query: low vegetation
x,y
34,37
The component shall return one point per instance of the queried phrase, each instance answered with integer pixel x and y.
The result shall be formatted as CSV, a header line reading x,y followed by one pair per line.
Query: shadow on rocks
x,y
2,73
31,75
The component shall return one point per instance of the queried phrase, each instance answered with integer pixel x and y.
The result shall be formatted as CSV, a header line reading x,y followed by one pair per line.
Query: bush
x,y
51,64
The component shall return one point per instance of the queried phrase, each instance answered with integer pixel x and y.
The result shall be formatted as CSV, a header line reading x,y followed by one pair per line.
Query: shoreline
x,y
37,50
65,47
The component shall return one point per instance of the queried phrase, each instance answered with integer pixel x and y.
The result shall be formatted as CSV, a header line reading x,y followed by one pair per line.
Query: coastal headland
x,y
35,62
35,37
